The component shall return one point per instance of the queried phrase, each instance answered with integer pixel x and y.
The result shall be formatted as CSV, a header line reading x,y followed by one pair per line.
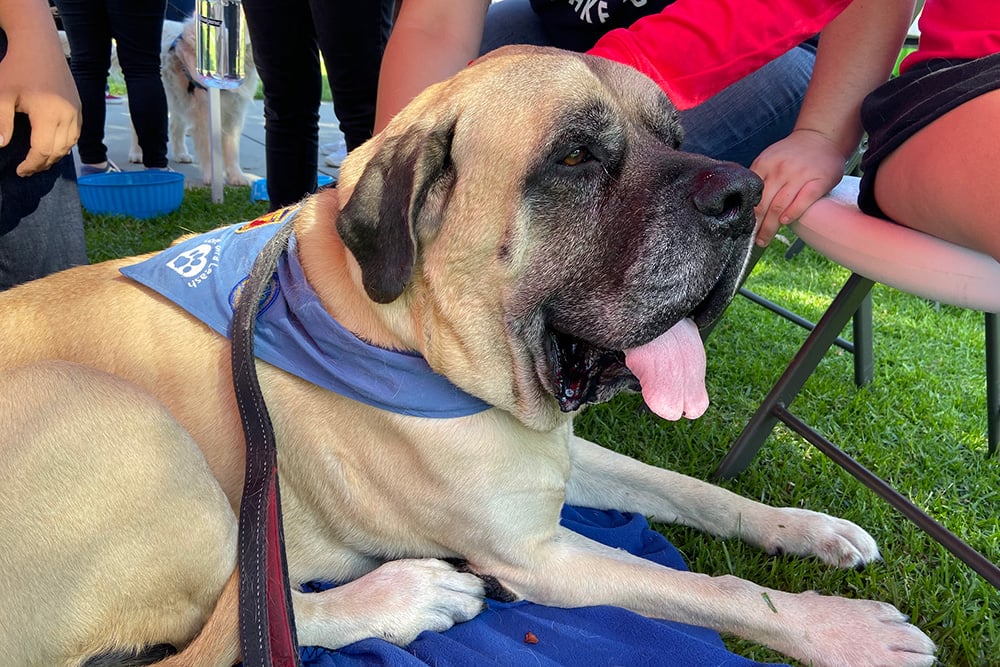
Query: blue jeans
x,y
41,222
137,28
736,124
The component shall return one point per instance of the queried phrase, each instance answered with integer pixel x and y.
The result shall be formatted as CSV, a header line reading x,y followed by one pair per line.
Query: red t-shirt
x,y
695,48
965,29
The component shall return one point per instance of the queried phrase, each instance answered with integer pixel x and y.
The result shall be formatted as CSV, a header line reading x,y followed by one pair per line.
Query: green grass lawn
x,y
920,424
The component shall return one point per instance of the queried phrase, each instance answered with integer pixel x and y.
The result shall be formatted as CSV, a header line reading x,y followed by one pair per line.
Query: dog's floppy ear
x,y
378,224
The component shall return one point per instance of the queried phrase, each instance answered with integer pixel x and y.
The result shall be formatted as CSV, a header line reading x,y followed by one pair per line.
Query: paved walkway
x,y
118,137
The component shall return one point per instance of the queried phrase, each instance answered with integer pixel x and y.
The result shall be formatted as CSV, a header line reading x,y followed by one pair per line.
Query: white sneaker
x,y
333,159
333,153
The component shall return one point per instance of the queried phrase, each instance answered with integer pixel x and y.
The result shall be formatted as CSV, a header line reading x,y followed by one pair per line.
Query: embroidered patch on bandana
x,y
204,276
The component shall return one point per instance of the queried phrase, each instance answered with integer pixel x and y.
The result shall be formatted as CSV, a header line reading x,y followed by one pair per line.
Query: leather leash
x,y
267,624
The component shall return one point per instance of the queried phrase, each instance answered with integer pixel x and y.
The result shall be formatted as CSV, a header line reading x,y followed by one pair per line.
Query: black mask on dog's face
x,y
629,236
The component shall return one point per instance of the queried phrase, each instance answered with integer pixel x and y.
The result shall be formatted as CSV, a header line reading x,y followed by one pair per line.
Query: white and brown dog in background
x,y
188,106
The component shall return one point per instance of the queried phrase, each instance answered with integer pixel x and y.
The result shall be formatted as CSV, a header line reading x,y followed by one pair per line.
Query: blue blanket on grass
x,y
585,637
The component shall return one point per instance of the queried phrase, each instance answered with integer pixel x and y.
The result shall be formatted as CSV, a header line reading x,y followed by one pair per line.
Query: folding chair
x,y
861,347
877,250
861,324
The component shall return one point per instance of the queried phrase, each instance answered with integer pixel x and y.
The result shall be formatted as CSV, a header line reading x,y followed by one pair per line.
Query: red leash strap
x,y
284,649
267,625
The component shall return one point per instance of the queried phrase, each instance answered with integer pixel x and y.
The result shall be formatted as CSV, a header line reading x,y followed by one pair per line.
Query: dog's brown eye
x,y
576,156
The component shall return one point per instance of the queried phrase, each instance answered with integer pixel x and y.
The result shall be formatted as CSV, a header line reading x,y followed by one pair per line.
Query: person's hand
x,y
797,171
35,80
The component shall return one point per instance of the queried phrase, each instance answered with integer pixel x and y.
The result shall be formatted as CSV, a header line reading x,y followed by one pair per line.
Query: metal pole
x,y
215,141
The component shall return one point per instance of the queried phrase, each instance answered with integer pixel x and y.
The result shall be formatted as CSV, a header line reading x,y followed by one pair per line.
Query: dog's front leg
x,y
604,479
178,145
395,602
231,158
134,150
569,570
202,140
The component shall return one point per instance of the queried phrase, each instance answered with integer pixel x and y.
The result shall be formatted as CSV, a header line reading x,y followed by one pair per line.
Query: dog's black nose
x,y
725,195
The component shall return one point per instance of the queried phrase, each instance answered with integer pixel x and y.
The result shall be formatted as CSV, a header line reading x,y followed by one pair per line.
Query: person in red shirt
x,y
695,50
933,161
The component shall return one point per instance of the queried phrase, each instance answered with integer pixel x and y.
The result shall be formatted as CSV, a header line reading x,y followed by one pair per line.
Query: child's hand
x,y
35,80
797,171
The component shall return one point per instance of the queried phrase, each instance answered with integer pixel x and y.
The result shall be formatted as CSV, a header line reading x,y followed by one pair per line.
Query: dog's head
x,y
535,217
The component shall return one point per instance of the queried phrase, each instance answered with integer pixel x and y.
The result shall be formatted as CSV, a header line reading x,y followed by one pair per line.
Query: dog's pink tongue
x,y
671,370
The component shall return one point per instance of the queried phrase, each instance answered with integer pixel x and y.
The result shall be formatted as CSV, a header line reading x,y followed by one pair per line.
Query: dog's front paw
x,y
804,533
420,595
135,156
183,157
395,602
827,631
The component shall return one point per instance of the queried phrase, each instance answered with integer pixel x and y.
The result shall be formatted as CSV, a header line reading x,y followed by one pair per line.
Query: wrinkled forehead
x,y
635,94
538,92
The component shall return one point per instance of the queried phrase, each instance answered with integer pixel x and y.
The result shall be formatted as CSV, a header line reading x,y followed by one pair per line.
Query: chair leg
x,y
797,319
974,559
790,384
797,246
862,330
992,382
864,357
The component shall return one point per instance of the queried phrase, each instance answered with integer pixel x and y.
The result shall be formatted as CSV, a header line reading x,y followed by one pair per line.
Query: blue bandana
x,y
204,276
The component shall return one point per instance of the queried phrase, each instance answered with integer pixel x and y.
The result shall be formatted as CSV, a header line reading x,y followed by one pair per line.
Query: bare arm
x,y
856,54
431,41
35,80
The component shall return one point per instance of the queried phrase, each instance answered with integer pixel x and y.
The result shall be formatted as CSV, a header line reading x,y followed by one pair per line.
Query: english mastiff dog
x,y
529,231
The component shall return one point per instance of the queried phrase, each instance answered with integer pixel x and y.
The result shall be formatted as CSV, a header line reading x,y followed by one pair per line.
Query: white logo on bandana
x,y
198,263
191,262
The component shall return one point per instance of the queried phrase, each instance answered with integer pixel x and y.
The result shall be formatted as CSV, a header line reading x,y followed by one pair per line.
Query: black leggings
x,y
137,28
287,38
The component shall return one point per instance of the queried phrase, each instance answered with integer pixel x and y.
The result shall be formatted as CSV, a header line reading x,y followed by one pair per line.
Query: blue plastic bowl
x,y
136,194
258,190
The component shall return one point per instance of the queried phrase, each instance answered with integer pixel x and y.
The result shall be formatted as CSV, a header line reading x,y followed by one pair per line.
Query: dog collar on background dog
x,y
204,275
193,82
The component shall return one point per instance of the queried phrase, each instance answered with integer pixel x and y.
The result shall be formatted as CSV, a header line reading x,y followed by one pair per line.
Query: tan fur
x,y
376,497
134,501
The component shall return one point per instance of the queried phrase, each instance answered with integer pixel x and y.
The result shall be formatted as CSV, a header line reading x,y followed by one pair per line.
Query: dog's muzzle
x,y
724,197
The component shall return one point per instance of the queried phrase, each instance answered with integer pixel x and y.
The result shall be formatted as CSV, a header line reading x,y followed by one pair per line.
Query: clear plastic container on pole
x,y
221,43
221,62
